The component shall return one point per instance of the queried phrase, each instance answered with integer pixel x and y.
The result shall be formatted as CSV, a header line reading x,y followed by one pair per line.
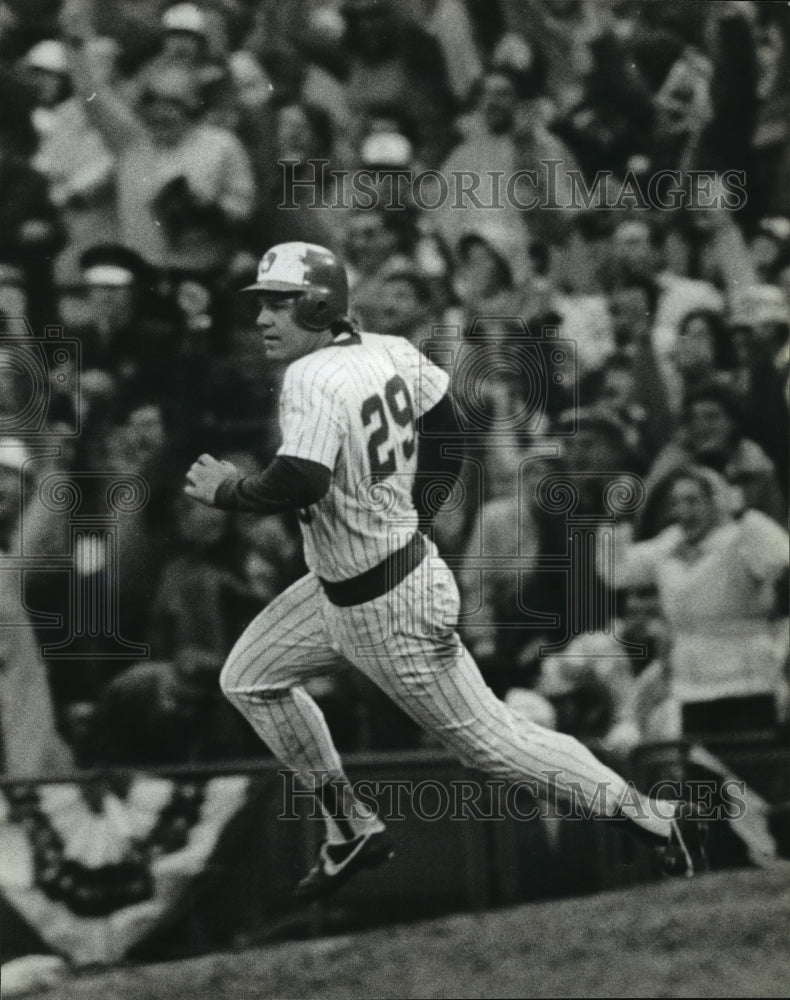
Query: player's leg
x,y
283,646
405,642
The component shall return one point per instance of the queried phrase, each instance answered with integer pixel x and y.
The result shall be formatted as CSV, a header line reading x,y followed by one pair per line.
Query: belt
x,y
380,579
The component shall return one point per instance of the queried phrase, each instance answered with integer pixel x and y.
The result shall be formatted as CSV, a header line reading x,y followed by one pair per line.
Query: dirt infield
x,y
722,935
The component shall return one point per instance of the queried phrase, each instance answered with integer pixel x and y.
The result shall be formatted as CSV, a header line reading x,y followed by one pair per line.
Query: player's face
x,y
283,338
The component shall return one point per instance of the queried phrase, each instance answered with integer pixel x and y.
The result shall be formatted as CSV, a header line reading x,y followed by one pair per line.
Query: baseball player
x,y
362,416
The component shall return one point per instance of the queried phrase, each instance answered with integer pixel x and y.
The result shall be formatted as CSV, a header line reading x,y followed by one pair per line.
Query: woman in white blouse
x,y
716,571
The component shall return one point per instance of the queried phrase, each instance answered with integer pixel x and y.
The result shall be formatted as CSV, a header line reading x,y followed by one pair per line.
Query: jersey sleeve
x,y
311,416
428,382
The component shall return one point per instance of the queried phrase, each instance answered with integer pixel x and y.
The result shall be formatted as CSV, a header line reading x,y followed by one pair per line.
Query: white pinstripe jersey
x,y
352,407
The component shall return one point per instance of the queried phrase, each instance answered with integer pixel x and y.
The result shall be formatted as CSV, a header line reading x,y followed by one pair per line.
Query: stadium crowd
x,y
146,153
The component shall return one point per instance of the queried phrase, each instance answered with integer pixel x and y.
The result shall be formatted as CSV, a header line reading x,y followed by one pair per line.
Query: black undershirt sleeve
x,y
290,483
286,484
436,428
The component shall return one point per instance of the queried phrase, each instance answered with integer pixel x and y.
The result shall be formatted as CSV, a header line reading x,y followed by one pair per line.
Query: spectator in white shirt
x,y
717,574
185,188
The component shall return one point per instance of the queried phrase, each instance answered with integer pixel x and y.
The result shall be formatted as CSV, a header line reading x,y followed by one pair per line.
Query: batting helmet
x,y
313,275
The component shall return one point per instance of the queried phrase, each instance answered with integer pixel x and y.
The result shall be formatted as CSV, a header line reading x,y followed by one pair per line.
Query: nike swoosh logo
x,y
333,868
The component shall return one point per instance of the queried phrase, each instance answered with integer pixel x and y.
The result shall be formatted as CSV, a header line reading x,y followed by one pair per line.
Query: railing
x,y
444,862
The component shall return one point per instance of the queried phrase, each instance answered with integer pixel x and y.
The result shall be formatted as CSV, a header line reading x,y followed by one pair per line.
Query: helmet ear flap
x,y
316,309
321,312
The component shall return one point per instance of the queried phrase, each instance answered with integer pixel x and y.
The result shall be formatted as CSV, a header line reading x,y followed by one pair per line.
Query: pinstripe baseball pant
x,y
406,643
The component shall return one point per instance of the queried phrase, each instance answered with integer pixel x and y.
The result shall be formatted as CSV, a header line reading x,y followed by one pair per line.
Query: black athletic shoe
x,y
685,851
336,863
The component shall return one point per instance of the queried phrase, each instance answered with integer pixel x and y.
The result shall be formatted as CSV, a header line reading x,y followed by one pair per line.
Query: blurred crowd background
x,y
141,151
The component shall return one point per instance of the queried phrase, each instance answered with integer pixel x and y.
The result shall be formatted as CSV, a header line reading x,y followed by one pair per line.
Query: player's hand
x,y
205,476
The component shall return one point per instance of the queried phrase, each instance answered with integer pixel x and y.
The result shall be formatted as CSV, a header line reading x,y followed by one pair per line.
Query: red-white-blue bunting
x,y
94,868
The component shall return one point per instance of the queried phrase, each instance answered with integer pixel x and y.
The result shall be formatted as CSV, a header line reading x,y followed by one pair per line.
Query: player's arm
x,y
436,461
301,472
286,484
435,424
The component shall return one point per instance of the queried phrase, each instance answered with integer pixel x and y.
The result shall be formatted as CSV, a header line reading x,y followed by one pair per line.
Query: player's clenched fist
x,y
205,476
